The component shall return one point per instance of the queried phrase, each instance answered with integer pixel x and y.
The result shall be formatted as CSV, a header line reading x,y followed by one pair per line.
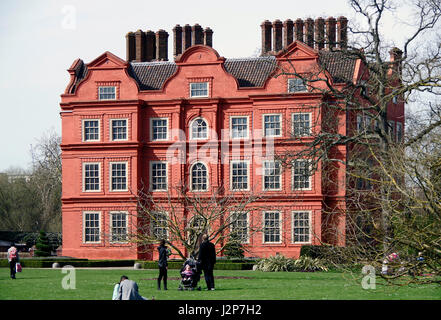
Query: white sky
x,y
39,40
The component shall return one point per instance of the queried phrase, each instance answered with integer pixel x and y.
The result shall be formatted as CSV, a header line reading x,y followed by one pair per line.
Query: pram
x,y
190,282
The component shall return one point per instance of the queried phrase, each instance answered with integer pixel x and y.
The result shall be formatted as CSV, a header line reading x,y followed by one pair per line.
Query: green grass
x,y
97,284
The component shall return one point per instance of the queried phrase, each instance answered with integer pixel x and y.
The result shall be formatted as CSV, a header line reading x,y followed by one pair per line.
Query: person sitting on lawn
x,y
128,290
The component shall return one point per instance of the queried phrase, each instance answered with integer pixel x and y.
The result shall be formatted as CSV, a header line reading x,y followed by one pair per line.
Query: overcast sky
x,y
39,40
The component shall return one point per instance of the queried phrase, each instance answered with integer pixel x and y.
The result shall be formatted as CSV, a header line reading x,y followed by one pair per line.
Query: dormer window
x,y
198,89
296,85
107,93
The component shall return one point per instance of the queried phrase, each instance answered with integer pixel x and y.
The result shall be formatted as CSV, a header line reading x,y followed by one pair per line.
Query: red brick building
x,y
121,117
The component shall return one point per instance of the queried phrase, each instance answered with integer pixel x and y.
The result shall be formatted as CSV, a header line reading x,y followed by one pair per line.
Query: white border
x,y
280,227
195,97
126,213
263,176
190,129
281,124
83,133
151,176
99,226
111,129
310,226
231,128
116,94
248,174
151,129
191,177
310,176
83,174
110,176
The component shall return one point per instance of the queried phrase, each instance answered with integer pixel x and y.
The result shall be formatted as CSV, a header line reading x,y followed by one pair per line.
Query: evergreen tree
x,y
43,247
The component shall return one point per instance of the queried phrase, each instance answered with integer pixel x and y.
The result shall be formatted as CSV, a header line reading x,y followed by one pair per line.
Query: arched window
x,y
199,177
199,129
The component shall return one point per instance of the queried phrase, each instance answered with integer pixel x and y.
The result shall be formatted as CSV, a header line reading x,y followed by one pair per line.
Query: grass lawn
x,y
97,284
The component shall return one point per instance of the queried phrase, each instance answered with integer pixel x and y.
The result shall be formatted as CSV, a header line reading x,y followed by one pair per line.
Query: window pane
x,y
107,93
301,124
159,225
91,130
119,129
199,129
301,174
239,127
271,227
159,176
119,227
119,176
301,227
239,175
272,175
91,227
199,176
91,177
272,125
239,226
296,85
199,89
159,129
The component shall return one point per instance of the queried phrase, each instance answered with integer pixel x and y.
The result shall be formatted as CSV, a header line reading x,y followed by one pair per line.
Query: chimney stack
x,y
342,32
208,37
130,46
330,33
150,46
196,32
177,40
319,33
277,35
288,33
396,56
266,37
139,46
161,45
309,31
187,37
298,26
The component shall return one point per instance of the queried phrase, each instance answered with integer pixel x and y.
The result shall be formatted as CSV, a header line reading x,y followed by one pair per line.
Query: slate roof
x,y
249,72
80,74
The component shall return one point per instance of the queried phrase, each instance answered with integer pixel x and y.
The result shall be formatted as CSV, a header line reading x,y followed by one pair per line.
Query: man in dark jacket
x,y
162,264
207,259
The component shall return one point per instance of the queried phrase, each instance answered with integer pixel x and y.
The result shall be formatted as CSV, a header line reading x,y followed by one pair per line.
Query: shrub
x,y
308,264
234,248
275,264
43,247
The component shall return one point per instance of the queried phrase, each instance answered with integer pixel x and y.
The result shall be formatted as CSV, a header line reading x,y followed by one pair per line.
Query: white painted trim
x,y
280,227
126,213
310,122
83,178
208,90
111,129
151,176
191,129
231,127
248,175
191,177
263,176
310,176
281,124
310,226
83,133
110,176
99,226
151,128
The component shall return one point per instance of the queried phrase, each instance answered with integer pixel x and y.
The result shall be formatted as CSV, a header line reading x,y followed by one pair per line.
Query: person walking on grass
x,y
207,259
162,264
13,259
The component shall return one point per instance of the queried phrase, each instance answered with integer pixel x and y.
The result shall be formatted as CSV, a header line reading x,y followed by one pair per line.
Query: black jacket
x,y
163,255
207,254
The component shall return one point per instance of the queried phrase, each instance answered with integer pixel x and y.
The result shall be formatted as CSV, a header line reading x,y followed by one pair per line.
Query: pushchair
x,y
190,282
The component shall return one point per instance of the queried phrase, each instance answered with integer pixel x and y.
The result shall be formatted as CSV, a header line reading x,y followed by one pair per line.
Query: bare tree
x,y
389,182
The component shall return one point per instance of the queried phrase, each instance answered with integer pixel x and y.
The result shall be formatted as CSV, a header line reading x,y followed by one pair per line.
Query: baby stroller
x,y
190,282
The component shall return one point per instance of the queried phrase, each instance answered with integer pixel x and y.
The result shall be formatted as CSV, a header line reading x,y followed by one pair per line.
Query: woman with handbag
x,y
13,259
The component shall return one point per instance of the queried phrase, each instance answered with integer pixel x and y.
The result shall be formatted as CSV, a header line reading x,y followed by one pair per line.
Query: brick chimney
x,y
139,46
330,33
277,35
161,45
288,32
186,36
298,26
266,36
309,32
177,40
342,32
208,37
150,43
319,33
396,56
130,46
197,34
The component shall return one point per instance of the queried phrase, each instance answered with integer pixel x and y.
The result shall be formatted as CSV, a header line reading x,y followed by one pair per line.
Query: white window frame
x,y
83,131
280,122
231,127
83,181
399,125
111,176
199,96
310,123
191,177
151,175
360,123
126,214
248,174
151,129
309,227
247,227
166,214
280,227
263,176
191,129
99,227
293,175
296,79
111,128
99,93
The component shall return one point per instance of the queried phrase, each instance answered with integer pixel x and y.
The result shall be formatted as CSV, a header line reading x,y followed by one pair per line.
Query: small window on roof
x,y
198,89
296,85
106,93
